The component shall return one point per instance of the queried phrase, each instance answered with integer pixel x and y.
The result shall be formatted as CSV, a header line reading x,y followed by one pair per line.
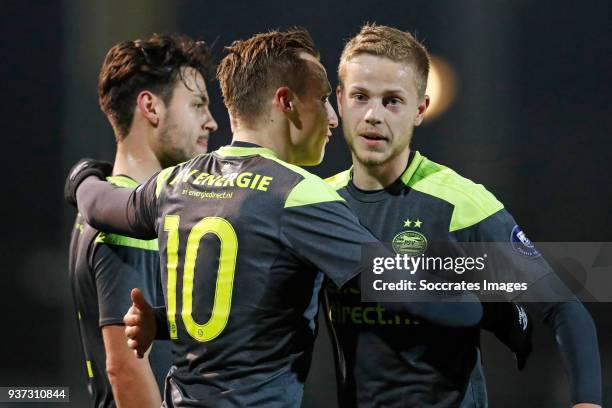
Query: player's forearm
x,y
134,385
330,236
576,337
464,311
448,314
131,378
105,207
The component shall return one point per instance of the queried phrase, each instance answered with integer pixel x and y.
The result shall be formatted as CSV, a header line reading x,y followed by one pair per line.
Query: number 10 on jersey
x,y
225,275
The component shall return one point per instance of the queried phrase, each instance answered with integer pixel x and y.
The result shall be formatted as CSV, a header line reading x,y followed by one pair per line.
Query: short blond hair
x,y
255,65
391,43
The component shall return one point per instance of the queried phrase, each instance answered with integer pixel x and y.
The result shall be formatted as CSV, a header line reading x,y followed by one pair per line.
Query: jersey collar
x,y
412,168
237,149
394,188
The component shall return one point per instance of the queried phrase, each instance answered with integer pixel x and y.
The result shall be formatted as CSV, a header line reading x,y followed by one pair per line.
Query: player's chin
x,y
371,158
313,159
200,149
321,153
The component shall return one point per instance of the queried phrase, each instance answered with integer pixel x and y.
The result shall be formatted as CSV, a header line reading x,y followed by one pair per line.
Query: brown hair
x,y
154,65
391,43
264,61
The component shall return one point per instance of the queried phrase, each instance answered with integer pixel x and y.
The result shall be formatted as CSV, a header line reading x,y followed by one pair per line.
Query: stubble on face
x,y
174,148
370,160
179,135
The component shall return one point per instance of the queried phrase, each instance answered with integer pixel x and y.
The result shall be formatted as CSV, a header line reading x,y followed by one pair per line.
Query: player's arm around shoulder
x,y
122,209
317,224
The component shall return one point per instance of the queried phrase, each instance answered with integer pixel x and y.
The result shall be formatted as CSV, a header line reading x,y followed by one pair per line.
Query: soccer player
x,y
243,233
154,95
402,196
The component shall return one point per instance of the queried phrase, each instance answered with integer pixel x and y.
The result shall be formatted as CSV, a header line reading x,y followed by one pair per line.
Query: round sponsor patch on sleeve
x,y
522,244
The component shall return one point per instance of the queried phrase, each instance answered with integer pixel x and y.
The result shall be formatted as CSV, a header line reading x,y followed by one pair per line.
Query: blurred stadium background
x,y
531,120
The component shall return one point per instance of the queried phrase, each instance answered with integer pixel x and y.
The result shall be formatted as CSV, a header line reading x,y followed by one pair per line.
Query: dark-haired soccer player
x,y
402,196
154,95
243,233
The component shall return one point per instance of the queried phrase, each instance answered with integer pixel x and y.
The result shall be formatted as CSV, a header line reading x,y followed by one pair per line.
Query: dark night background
x,y
531,121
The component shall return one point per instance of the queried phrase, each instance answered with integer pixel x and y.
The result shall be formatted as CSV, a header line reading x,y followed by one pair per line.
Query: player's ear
x,y
148,106
339,92
284,99
421,109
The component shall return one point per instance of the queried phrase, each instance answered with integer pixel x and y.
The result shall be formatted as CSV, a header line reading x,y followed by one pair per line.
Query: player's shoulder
x,y
169,176
472,202
340,180
299,186
310,188
306,189
126,242
82,237
81,250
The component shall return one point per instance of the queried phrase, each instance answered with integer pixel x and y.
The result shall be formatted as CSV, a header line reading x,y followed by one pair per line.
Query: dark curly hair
x,y
154,64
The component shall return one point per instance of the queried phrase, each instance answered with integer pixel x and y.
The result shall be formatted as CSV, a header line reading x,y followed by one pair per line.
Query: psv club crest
x,y
411,242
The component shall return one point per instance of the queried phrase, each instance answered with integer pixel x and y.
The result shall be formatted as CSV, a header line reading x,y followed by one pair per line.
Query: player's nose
x,y
332,118
373,114
210,123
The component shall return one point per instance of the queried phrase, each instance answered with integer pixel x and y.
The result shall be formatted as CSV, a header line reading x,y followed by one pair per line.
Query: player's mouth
x,y
373,138
202,141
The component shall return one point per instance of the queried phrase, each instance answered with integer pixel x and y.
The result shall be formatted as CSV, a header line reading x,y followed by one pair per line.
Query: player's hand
x,y
512,325
80,171
140,325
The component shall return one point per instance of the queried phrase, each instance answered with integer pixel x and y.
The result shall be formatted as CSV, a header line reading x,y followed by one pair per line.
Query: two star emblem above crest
x,y
409,223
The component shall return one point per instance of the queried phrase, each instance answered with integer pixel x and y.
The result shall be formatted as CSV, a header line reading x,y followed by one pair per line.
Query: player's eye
x,y
392,101
198,105
360,97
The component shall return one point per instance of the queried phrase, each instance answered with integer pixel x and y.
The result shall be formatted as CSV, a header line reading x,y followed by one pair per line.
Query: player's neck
x,y
268,136
377,177
135,158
